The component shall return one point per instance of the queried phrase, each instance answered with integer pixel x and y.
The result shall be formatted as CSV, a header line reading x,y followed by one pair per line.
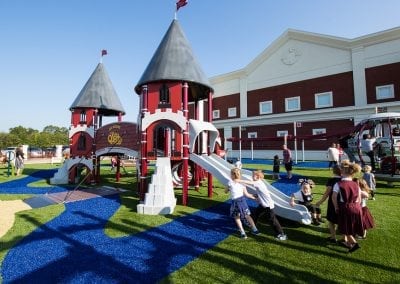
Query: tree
x,y
49,137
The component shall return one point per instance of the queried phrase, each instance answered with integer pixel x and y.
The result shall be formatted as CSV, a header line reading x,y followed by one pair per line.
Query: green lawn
x,y
304,258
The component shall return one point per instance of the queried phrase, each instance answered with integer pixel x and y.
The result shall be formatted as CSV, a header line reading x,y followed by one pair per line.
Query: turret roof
x,y
100,94
174,60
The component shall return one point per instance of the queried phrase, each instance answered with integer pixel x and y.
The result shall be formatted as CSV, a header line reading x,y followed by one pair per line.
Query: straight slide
x,y
220,169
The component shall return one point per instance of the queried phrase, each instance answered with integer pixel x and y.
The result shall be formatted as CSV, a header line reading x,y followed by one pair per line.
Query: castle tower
x,y
96,100
172,90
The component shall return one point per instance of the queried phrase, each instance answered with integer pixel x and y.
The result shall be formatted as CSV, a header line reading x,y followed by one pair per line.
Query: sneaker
x,y
255,232
316,223
354,247
331,240
373,198
281,237
243,236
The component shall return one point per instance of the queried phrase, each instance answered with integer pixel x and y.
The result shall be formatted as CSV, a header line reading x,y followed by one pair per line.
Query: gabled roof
x,y
99,93
320,39
174,61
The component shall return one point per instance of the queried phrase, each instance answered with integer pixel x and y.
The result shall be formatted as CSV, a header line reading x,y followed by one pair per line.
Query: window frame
x,y
252,135
287,104
282,133
232,109
317,95
215,111
391,92
260,107
316,131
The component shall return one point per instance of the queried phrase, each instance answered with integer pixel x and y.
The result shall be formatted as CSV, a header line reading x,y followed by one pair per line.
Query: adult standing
x,y
367,146
332,155
348,206
287,160
19,160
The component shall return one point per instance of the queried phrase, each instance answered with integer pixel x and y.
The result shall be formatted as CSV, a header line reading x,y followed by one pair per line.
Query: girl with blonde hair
x,y
239,207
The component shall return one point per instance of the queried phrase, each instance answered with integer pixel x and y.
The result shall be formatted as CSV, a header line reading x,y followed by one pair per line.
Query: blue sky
x,y
49,48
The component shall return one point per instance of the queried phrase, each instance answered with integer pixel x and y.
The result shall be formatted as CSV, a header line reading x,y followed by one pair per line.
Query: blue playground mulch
x,y
72,248
300,164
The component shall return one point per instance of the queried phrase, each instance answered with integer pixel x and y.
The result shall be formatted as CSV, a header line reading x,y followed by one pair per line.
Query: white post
x,y
240,143
58,153
302,149
295,141
252,152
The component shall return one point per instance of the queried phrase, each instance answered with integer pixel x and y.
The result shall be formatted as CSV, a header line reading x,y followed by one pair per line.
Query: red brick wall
x,y
341,86
380,76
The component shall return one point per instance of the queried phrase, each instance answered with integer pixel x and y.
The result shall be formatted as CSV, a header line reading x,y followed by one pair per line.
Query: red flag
x,y
103,52
180,4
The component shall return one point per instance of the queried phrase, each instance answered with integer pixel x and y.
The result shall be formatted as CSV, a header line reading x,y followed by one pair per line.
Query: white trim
x,y
260,107
81,128
252,135
316,131
390,92
319,95
287,104
232,112
281,133
215,114
149,119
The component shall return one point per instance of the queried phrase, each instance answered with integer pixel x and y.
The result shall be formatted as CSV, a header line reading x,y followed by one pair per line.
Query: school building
x,y
305,84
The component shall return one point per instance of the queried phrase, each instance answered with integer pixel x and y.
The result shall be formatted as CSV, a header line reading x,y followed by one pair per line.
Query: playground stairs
x,y
160,198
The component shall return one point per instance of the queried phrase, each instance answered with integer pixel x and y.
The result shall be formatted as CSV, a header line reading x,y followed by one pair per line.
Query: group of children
x,y
347,208
239,208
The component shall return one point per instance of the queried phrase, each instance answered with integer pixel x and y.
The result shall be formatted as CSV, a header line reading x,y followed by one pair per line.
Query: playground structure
x,y
174,128
89,139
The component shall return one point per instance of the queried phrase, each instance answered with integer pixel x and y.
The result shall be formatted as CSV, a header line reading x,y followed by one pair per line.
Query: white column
x,y
243,97
58,153
360,89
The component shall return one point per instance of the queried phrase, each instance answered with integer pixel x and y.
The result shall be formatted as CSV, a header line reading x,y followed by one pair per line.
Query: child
x,y
276,167
305,197
368,220
346,199
239,206
370,179
331,215
266,204
113,163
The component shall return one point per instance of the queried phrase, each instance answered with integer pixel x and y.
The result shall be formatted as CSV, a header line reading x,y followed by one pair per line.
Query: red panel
x,y
380,76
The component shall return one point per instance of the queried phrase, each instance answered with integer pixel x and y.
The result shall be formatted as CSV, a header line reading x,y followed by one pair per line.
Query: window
x,y
252,135
384,92
317,131
215,113
266,107
292,104
83,117
281,133
231,111
323,100
164,94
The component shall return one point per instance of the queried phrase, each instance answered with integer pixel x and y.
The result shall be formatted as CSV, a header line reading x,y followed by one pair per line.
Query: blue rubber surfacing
x,y
72,248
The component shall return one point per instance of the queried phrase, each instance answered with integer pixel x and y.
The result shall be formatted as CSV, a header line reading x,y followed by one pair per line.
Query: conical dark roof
x,y
99,93
174,61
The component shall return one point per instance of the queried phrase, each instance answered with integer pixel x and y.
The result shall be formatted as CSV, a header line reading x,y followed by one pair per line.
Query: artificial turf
x,y
105,240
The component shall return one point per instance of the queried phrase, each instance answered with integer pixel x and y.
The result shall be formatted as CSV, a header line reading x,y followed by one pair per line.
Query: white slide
x,y
220,168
